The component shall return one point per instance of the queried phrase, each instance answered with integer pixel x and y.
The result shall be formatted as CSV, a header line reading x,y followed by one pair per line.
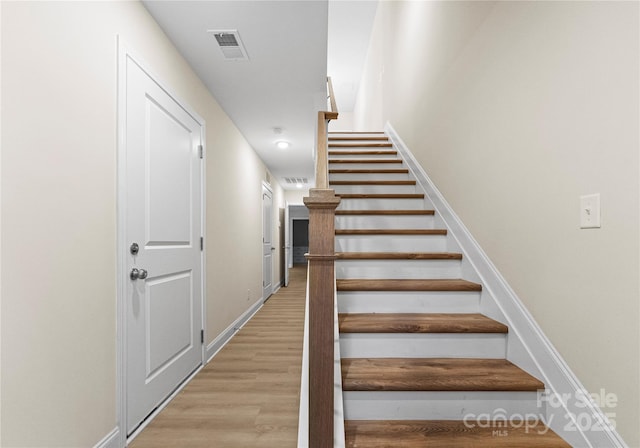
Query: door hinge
x,y
200,151
202,336
201,243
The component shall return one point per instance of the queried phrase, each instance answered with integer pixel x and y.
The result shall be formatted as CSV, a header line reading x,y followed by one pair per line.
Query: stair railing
x,y
322,202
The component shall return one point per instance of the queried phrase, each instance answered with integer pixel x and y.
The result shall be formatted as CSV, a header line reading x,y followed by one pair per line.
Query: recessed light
x,y
299,185
282,144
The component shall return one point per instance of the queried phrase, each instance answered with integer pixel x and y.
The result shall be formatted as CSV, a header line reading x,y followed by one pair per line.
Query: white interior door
x,y
163,217
287,244
267,243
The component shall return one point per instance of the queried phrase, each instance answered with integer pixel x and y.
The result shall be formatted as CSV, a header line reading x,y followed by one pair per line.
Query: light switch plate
x,y
590,211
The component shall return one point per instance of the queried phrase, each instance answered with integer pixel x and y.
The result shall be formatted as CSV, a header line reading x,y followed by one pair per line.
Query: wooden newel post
x,y
322,205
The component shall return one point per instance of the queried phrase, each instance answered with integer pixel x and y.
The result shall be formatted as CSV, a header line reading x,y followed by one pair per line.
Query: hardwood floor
x,y
248,395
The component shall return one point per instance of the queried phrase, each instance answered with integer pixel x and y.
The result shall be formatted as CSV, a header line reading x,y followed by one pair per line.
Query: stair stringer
x,y
527,345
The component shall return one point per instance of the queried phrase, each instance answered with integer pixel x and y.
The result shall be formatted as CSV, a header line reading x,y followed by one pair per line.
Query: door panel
x,y
170,178
163,216
267,247
170,327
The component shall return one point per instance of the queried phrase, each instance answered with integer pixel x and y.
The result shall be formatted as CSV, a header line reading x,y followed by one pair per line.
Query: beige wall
x,y
58,183
295,197
515,109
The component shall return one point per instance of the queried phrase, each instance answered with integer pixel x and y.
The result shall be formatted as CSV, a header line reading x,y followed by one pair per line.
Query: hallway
x,y
247,396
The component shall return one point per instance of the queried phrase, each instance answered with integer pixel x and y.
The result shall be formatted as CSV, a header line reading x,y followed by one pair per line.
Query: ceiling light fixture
x,y
282,144
298,185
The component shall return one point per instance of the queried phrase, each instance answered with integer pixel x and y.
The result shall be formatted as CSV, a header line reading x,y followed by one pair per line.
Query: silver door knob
x,y
136,274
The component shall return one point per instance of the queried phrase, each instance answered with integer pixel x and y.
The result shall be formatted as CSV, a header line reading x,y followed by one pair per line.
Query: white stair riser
x,y
364,166
384,221
408,302
374,189
390,243
355,155
442,406
382,204
423,345
368,176
398,269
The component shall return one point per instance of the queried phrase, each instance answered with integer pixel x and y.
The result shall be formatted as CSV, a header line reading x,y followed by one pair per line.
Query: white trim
x,y
338,403
303,411
110,440
223,338
124,51
203,230
267,186
121,407
527,342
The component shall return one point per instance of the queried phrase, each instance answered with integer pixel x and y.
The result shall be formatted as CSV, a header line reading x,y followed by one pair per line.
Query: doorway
x,y
160,254
296,213
300,241
267,241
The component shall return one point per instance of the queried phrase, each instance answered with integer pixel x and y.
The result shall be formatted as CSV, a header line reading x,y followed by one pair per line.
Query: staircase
x,y
420,365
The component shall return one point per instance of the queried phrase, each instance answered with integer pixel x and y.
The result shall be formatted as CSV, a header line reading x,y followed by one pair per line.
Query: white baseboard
x,y
227,334
528,345
110,440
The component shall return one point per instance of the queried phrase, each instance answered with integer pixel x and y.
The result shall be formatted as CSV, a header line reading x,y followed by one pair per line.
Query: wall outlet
x,y
248,295
590,211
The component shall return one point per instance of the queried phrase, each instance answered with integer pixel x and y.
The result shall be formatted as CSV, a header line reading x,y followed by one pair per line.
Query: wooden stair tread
x,y
391,231
418,323
363,153
354,132
385,212
398,256
449,434
381,195
372,182
359,138
353,284
379,171
435,374
360,145
365,161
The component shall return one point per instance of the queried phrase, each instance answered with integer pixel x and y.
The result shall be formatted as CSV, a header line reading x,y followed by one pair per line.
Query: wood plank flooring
x,y
248,395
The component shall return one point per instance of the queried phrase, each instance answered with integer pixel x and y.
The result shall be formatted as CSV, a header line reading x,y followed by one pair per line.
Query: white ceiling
x,y
283,83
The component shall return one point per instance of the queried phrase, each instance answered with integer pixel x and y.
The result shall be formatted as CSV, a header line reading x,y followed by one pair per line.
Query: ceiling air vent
x,y
296,180
230,45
